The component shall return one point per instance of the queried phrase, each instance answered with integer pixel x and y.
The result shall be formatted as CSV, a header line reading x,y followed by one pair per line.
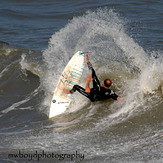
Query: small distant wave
x,y
14,81
3,43
14,13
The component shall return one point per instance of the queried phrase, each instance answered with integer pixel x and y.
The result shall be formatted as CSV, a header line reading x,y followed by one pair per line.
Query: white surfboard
x,y
70,77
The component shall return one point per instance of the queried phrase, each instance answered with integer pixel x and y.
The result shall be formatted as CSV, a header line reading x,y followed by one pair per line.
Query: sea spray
x,y
114,54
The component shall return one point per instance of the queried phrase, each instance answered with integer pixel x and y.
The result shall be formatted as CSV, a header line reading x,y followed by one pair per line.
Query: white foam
x,y
151,77
103,33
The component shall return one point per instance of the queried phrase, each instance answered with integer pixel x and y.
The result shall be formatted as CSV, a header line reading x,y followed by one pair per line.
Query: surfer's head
x,y
107,83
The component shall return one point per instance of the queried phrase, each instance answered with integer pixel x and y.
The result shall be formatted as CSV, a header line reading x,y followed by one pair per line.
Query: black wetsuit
x,y
98,92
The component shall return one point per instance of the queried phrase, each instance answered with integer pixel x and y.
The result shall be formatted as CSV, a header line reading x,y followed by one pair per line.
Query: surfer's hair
x,y
107,82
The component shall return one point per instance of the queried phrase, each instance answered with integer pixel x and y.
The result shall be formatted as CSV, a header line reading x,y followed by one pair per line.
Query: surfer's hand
x,y
86,57
89,78
120,99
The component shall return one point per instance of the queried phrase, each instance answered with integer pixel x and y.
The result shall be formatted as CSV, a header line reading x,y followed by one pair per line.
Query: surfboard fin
x,y
85,52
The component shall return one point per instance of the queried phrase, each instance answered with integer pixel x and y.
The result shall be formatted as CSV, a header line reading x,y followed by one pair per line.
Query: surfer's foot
x,y
67,91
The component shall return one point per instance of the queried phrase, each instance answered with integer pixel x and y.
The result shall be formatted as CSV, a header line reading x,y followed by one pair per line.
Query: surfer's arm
x,y
115,96
86,57
87,88
88,62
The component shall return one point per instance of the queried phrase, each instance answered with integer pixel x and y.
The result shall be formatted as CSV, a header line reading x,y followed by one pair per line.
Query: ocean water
x,y
125,40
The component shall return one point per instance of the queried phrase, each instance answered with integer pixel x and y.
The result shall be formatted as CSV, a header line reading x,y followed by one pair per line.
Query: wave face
x,y
108,130
137,76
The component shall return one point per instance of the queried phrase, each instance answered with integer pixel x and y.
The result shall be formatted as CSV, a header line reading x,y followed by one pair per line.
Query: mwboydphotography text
x,y
40,155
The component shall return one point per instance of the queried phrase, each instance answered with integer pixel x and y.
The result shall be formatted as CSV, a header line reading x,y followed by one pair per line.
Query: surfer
x,y
98,92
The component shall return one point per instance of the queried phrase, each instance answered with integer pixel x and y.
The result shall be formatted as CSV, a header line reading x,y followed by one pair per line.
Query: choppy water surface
x,y
125,39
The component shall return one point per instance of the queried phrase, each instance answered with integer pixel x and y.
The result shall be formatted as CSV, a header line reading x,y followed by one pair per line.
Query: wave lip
x,y
103,33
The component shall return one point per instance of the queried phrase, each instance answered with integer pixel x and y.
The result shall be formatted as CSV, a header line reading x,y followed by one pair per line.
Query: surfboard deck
x,y
70,77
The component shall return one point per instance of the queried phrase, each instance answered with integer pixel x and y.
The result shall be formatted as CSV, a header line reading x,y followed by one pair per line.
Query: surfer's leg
x,y
96,82
80,90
